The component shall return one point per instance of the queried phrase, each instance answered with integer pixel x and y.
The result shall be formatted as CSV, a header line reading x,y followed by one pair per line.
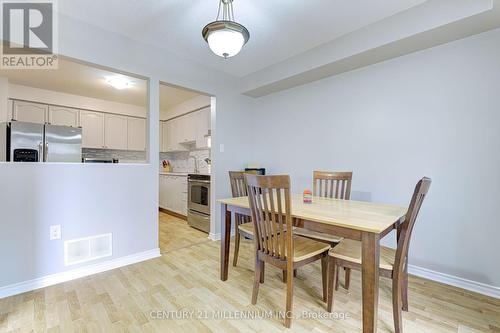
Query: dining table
x,y
366,222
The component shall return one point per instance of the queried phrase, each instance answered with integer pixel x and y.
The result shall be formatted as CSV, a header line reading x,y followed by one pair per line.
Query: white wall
x,y
92,199
4,88
192,104
80,102
433,113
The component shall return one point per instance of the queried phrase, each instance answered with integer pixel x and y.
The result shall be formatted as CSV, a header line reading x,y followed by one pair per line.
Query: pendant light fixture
x,y
225,37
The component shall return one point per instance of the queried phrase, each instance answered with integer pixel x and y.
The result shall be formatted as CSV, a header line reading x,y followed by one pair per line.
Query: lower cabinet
x,y
173,193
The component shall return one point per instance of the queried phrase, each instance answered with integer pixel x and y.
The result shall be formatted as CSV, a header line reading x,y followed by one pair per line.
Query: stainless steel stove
x,y
199,202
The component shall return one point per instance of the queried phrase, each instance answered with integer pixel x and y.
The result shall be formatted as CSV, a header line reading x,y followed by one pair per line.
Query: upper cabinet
x,y
179,133
63,116
100,130
92,129
136,134
203,127
115,131
187,129
30,112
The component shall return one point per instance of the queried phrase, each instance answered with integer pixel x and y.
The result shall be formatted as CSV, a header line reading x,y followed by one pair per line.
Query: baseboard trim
x,y
169,212
217,236
50,280
455,281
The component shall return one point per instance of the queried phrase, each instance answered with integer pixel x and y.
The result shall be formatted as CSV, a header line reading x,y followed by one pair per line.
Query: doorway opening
x,y
185,194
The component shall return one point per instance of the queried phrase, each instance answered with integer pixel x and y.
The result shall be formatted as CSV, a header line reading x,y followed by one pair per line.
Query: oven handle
x,y
203,216
199,181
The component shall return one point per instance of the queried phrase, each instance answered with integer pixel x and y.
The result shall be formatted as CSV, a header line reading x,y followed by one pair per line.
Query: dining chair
x,y
244,226
393,263
329,184
275,244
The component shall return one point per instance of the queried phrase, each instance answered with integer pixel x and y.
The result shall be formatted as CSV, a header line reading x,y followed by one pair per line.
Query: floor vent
x,y
81,250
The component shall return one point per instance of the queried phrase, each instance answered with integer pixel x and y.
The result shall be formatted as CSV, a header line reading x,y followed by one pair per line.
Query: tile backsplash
x,y
182,162
124,156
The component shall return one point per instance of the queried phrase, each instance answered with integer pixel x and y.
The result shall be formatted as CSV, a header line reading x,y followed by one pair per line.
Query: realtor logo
x,y
28,33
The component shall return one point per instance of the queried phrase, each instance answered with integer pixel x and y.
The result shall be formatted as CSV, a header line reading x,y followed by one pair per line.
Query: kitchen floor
x,y
186,278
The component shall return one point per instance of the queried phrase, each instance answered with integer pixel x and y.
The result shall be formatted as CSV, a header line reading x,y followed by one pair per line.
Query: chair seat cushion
x,y
246,229
350,250
316,235
304,248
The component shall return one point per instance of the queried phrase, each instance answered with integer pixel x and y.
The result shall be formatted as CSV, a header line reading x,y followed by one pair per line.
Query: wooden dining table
x,y
362,221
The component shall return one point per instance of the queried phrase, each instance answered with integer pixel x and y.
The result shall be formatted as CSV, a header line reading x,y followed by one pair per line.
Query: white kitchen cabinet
x,y
187,128
203,127
63,116
173,193
92,124
136,129
172,132
115,131
160,143
30,112
163,191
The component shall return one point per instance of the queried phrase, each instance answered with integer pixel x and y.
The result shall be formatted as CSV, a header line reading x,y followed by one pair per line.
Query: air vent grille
x,y
81,250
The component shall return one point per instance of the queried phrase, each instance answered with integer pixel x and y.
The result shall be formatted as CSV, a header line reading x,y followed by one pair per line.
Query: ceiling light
x,y
119,82
225,37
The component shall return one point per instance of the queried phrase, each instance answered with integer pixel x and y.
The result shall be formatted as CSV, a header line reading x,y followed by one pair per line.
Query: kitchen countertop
x,y
181,174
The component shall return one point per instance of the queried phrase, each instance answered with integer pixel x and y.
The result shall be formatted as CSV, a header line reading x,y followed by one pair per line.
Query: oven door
x,y
199,196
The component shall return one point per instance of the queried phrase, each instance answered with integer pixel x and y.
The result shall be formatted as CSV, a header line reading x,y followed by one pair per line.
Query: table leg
x,y
225,241
370,279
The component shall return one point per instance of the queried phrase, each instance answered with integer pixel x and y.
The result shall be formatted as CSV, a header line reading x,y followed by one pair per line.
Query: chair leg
x,y
236,247
289,298
262,271
332,281
337,278
347,278
397,305
294,273
256,282
284,276
324,276
404,291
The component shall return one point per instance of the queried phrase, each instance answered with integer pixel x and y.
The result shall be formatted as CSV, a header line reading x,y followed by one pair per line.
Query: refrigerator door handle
x,y
40,151
46,152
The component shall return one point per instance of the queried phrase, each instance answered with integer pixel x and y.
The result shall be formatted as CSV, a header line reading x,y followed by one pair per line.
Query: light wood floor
x,y
186,278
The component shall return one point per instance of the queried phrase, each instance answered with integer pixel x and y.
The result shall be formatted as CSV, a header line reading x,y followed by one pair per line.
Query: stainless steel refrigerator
x,y
30,142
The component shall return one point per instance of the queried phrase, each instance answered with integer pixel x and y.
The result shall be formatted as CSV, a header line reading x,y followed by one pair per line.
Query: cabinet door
x,y
30,112
166,127
175,135
162,148
115,131
92,129
163,192
170,193
202,128
136,130
187,127
63,116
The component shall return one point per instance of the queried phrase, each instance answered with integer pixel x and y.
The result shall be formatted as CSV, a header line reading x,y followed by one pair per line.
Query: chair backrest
x,y
238,187
406,228
332,184
270,204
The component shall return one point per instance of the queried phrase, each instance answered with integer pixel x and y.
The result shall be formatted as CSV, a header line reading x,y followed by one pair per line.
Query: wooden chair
x,y
275,244
243,223
393,263
329,185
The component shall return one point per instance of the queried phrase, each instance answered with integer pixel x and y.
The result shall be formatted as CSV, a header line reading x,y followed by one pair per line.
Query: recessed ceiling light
x,y
119,82
225,37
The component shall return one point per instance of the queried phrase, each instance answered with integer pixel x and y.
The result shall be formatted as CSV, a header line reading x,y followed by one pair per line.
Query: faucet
x,y
196,168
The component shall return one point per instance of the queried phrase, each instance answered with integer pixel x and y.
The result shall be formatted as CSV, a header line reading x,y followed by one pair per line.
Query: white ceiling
x,y
279,29
83,80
